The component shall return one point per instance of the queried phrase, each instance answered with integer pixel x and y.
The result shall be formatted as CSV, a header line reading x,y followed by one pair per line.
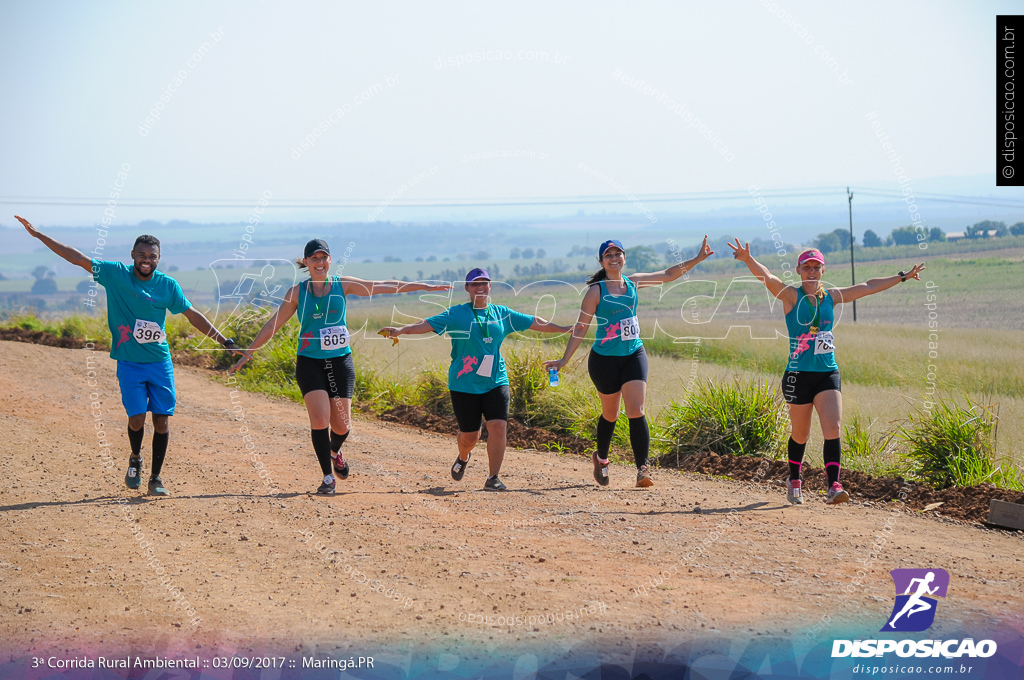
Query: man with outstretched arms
x,y
138,298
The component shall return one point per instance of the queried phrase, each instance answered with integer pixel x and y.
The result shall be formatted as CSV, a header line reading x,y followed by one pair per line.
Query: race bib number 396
x,y
148,331
334,337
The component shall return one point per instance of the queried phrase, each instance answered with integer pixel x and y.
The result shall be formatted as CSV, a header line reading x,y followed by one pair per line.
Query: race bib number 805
x,y
334,337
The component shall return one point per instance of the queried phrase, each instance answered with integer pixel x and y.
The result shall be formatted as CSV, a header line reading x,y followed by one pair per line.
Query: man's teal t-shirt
x,y
475,336
136,311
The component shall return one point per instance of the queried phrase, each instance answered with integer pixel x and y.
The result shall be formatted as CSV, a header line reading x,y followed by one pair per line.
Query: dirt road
x,y
412,557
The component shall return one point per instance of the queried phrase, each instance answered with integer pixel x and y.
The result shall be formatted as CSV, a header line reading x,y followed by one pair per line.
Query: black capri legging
x,y
469,408
336,376
610,373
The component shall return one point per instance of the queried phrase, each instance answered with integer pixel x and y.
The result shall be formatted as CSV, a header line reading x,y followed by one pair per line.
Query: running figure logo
x,y
914,611
467,365
126,332
611,332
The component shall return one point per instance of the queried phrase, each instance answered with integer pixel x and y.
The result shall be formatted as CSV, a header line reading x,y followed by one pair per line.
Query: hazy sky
x,y
80,79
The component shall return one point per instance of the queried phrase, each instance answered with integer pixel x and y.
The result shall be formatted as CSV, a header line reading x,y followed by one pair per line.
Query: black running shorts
x,y
609,374
800,387
469,407
336,376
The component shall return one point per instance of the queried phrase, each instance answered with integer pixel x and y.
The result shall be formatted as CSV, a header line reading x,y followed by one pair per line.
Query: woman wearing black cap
x,y
477,380
618,362
323,365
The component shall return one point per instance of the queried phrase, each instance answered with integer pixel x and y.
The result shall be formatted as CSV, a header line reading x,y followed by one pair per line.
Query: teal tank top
x,y
322,326
808,352
618,331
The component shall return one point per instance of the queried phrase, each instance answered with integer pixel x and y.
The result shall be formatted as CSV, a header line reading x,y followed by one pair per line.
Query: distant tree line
x,y
839,239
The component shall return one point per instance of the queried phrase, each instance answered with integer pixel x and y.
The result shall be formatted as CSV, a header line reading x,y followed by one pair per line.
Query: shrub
x,y
870,452
742,418
432,390
951,445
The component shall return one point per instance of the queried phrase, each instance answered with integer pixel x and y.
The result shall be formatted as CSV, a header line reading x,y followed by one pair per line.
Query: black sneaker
x,y
326,489
342,469
156,487
600,470
133,479
494,484
459,467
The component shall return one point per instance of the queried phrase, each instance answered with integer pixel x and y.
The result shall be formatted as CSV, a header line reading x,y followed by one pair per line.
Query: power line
x,y
320,203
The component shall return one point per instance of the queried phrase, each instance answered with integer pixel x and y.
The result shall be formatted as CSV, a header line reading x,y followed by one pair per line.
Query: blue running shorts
x,y
147,387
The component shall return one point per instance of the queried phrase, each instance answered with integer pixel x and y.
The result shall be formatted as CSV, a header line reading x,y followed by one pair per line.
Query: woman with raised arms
x,y
618,361
477,380
811,380
323,365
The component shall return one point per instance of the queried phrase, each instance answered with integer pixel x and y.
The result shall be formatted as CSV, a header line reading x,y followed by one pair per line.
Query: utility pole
x,y
853,274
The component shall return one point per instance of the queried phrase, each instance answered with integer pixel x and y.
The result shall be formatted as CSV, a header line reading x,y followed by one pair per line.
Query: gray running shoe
x,y
643,477
494,484
326,489
156,487
600,470
133,479
836,495
459,467
795,494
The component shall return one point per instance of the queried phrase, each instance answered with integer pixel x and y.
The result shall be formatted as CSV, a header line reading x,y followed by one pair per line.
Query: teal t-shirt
x,y
323,333
618,330
136,311
805,353
476,344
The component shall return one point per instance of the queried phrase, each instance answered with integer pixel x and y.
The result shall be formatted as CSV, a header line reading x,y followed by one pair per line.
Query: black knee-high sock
x,y
796,458
640,440
135,440
337,440
830,452
159,451
322,446
605,430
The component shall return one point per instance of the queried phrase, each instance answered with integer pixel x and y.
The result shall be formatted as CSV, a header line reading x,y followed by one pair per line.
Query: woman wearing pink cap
x,y
811,381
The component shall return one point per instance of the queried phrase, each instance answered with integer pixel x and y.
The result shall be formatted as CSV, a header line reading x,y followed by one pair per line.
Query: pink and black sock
x,y
322,446
796,458
830,452
605,430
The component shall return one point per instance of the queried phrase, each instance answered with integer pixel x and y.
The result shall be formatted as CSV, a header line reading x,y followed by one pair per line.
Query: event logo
x,y
914,611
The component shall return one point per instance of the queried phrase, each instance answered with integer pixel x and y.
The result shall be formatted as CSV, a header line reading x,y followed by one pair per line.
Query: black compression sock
x,y
159,451
322,446
796,458
605,430
640,440
135,440
337,440
831,452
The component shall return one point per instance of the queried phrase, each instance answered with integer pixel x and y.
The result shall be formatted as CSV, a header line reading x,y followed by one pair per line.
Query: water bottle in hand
x,y
553,376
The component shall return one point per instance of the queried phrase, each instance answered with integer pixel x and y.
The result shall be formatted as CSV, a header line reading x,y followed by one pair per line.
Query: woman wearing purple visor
x,y
811,381
477,379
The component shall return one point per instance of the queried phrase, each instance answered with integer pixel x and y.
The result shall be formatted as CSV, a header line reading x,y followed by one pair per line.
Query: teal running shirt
x,y
323,333
137,310
811,349
477,365
618,330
